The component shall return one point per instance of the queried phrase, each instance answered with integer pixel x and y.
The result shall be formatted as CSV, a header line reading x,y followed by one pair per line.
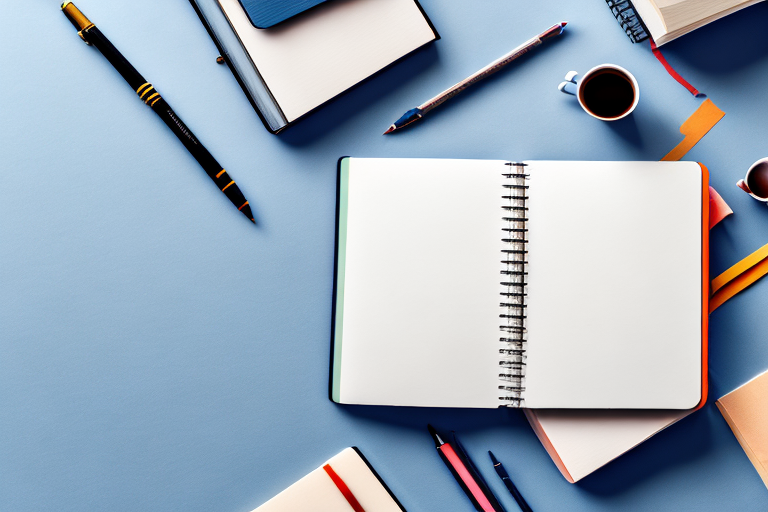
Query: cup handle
x,y
743,186
570,78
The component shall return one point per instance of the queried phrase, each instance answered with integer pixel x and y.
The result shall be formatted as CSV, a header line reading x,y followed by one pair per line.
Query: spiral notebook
x,y
482,283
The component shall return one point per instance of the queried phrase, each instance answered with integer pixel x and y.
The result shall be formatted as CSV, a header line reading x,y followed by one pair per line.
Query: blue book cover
x,y
266,13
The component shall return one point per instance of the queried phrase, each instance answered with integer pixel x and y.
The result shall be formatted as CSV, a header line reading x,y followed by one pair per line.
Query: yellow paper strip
x,y
739,268
694,128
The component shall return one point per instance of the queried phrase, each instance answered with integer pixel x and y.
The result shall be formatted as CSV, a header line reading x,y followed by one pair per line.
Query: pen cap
x,y
75,16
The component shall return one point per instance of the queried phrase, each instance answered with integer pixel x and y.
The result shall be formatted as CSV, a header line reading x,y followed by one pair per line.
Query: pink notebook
x,y
581,442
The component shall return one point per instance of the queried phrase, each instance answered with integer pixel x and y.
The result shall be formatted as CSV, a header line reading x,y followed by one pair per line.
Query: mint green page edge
x,y
340,266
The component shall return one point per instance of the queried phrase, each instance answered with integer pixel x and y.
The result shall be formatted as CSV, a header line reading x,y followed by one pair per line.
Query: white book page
x,y
421,283
651,17
679,14
310,59
669,19
614,285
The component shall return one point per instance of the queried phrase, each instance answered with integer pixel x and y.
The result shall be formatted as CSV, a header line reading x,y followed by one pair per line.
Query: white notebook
x,y
344,483
307,60
480,283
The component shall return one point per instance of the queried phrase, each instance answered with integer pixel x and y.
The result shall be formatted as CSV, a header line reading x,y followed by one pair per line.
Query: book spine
x,y
626,14
514,272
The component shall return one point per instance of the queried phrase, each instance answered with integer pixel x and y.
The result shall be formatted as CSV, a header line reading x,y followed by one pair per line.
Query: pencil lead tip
x,y
253,220
390,129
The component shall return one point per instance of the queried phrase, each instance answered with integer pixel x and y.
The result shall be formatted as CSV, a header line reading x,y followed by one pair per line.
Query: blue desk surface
x,y
159,352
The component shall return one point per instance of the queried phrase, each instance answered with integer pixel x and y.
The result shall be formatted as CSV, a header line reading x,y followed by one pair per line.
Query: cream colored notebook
x,y
746,411
329,487
486,283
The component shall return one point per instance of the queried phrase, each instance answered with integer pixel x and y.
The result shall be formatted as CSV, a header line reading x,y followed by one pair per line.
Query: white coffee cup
x,y
607,103
761,166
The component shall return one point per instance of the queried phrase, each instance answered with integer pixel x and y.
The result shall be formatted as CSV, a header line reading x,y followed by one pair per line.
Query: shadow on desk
x,y
727,45
461,420
681,444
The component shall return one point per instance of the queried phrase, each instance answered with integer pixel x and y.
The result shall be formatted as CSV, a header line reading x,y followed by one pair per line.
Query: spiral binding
x,y
626,14
514,272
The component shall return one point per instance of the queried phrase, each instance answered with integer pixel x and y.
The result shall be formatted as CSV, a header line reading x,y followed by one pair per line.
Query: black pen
x,y
93,36
510,485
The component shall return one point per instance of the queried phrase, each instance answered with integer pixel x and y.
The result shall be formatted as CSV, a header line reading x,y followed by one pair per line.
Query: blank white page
x,y
418,309
614,285
319,54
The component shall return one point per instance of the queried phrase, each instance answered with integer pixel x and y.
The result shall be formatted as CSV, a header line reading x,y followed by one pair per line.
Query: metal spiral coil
x,y
513,282
626,14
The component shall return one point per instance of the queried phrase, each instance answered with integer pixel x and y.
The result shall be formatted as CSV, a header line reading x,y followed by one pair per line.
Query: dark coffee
x,y
758,180
607,93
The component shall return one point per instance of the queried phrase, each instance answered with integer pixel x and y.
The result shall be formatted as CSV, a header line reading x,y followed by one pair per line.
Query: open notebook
x,y
480,283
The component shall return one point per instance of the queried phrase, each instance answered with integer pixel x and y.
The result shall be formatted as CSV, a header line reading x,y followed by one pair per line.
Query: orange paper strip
x,y
694,128
738,277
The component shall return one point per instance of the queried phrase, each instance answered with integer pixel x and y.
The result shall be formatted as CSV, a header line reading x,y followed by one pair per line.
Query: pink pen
x,y
474,487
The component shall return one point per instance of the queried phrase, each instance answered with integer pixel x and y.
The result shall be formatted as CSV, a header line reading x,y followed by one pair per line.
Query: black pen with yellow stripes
x,y
93,36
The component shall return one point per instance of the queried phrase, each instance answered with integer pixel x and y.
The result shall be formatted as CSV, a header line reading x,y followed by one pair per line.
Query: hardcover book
x,y
267,13
291,69
666,20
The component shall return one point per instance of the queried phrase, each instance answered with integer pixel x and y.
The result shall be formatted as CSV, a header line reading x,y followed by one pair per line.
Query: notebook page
x,y
417,315
614,285
319,54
